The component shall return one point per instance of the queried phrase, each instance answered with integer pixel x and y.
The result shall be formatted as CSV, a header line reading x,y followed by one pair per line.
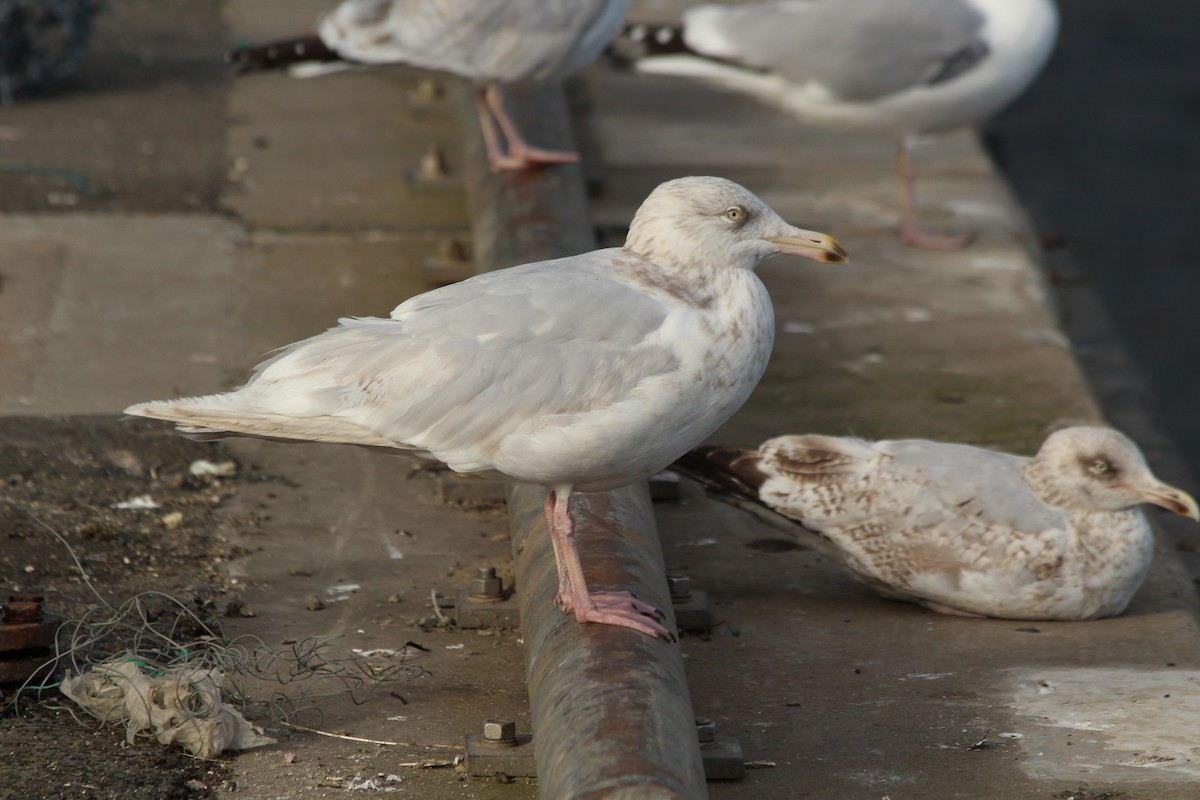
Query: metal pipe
x,y
611,712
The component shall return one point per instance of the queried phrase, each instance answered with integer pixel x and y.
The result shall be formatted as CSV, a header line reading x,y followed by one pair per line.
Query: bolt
x,y
681,588
451,250
486,585
428,91
706,729
433,165
23,608
500,731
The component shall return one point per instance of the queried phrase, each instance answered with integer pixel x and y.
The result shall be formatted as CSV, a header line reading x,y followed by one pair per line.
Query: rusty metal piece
x,y
723,760
500,751
692,611
610,707
27,637
23,607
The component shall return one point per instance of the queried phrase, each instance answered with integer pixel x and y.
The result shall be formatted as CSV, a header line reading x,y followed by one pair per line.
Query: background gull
x,y
585,373
877,66
494,43
960,529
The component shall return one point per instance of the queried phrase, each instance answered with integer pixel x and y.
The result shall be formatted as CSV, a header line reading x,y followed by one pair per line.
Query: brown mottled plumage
x,y
961,529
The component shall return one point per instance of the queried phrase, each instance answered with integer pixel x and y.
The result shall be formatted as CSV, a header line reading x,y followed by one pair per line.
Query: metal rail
x,y
612,717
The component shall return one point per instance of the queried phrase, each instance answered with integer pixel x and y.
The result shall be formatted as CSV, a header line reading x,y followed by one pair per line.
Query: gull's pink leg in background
x,y
911,232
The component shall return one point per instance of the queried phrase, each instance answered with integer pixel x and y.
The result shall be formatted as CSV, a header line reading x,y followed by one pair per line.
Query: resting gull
x,y
960,529
580,374
494,43
876,66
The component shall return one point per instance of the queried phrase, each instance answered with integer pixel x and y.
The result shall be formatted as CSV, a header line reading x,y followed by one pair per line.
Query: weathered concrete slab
x,y
96,309
139,128
852,696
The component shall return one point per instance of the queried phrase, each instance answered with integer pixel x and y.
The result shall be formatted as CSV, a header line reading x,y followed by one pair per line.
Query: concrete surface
x,y
849,696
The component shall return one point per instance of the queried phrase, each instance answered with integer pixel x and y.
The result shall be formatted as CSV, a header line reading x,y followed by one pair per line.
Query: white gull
x,y
961,529
581,374
494,43
876,66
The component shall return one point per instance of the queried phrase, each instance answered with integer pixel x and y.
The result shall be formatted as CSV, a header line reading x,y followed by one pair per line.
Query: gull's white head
x,y
712,221
1099,469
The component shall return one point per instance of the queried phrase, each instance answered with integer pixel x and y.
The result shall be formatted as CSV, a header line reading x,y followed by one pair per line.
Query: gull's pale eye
x,y
735,214
1099,467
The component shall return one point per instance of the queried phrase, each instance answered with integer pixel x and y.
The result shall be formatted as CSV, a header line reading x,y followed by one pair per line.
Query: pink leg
x,y
911,232
563,599
491,139
608,608
520,153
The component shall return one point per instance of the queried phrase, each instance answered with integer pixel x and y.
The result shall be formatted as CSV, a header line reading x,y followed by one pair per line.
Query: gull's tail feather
x,y
218,416
280,54
735,476
635,41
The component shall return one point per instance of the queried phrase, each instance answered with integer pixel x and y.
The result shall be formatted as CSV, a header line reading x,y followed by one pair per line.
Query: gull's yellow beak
x,y
1170,498
811,244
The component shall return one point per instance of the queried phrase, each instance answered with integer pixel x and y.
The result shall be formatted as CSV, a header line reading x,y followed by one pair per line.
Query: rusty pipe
x,y
611,712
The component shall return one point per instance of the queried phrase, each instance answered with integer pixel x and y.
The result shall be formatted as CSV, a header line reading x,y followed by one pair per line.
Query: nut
x,y
486,585
501,731
681,588
706,729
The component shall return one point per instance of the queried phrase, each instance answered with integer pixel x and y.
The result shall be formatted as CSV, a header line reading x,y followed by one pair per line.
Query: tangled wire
x,y
163,635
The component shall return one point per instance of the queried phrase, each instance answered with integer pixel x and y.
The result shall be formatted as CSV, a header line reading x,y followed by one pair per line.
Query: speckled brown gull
x,y
492,42
585,373
877,66
961,529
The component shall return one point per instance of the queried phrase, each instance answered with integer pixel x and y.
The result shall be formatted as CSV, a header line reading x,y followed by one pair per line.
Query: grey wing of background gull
x,y
472,362
984,485
510,41
858,49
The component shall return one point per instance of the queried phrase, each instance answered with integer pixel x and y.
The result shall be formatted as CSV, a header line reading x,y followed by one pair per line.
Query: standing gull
x,y
494,43
580,374
960,529
875,66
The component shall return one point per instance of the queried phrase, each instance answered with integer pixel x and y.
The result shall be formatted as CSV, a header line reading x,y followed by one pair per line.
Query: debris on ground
x,y
182,706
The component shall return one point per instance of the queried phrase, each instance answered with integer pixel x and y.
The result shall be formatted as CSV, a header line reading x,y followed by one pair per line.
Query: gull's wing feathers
x,y
502,41
914,485
855,49
455,370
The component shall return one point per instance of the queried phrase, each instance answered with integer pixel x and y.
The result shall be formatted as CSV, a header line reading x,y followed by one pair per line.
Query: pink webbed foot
x,y
911,233
622,599
625,615
612,601
916,236
521,154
